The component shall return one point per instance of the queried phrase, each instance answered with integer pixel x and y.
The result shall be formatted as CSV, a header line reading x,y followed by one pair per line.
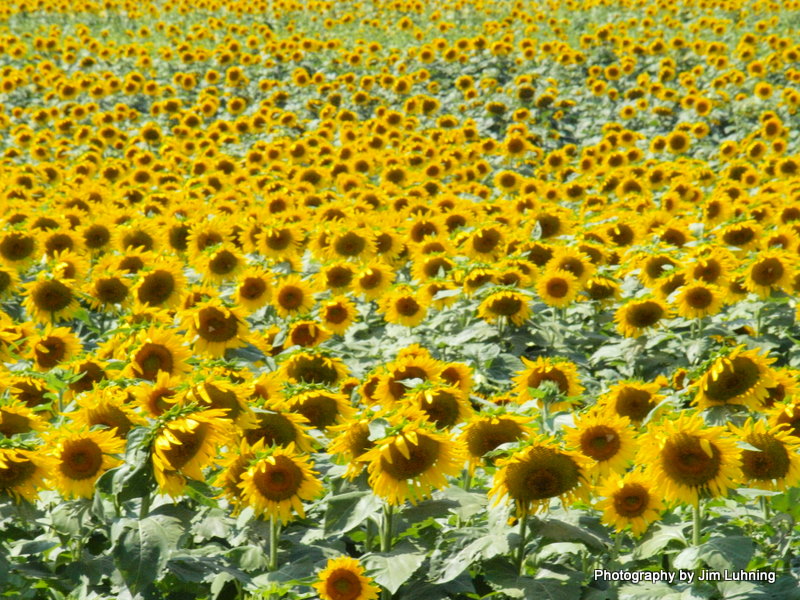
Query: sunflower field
x,y
399,299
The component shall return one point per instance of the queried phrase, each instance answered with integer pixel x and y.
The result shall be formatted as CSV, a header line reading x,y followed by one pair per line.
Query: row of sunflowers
x,y
360,299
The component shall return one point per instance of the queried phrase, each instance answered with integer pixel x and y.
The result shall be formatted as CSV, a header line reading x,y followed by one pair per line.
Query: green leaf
x,y
730,552
141,550
394,569
658,539
347,511
648,591
560,531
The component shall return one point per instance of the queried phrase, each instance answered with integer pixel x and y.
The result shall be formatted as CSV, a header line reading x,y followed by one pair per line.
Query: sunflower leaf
x,y
395,568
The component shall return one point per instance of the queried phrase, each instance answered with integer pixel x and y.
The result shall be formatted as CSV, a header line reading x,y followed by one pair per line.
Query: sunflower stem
x,y
368,536
523,534
466,479
144,507
386,530
765,507
696,523
274,532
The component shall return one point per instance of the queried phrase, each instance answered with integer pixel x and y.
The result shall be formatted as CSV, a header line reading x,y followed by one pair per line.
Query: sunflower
x,y
337,314
443,405
9,280
343,579
604,290
485,243
18,249
561,373
53,346
484,433
573,261
279,242
411,462
632,399
537,473
232,467
273,425
23,473
320,407
770,270
16,418
313,367
606,440
373,280
557,288
292,296
160,286
215,327
253,288
350,244
775,462
698,300
403,306
157,397
107,407
336,276
107,291
277,481
391,387
504,304
685,459
156,350
630,500
81,457
50,300
350,443
221,263
636,316
184,445
740,377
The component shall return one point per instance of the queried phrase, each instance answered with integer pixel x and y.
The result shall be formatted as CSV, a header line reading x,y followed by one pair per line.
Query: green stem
x,y
765,508
386,530
466,479
144,507
696,522
523,533
274,532
368,538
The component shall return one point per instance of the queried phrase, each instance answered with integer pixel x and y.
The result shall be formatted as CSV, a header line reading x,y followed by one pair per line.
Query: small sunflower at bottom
x,y
629,500
343,579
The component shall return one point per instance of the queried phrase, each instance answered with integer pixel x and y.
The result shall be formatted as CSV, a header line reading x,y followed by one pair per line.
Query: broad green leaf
x,y
347,511
394,569
141,551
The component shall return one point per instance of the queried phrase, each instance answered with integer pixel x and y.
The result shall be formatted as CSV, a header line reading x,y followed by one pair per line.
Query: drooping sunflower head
x,y
740,377
687,459
507,305
774,464
343,578
538,473
23,473
313,367
636,316
632,399
320,407
485,433
562,374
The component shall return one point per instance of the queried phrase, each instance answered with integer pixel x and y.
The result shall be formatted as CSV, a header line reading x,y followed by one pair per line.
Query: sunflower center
x,y
767,272
396,388
336,314
485,437
772,462
110,290
542,473
634,404
536,378
699,297
737,377
600,443
312,369
343,584
337,277
50,351
631,501
506,306
645,314
442,409
486,240
407,306
12,423
290,297
686,462
178,455
278,240
216,326
370,279
131,264
223,262
16,246
252,288
557,287
421,457
320,410
350,244
52,296
81,459
152,358
274,429
156,288
708,271
279,481
16,473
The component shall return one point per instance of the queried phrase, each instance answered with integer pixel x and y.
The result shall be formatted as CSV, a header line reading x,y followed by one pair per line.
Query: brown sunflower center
x,y
656,266
252,288
16,473
396,388
279,481
156,288
486,436
131,264
442,408
685,461
110,290
312,369
111,417
215,325
52,296
421,457
223,399
152,358
631,501
645,314
178,455
350,244
81,459
290,297
486,240
600,442
50,351
506,306
634,403
157,402
536,378
223,262
278,240
542,473
741,236
12,423
772,462
767,272
320,410
708,270
557,287
17,246
337,277
737,377
343,584
699,297
407,306
96,236
274,429
336,314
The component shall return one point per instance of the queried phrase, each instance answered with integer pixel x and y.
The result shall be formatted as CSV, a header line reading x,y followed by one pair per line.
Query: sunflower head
x,y
630,500
343,578
81,457
774,463
739,377
22,473
605,440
